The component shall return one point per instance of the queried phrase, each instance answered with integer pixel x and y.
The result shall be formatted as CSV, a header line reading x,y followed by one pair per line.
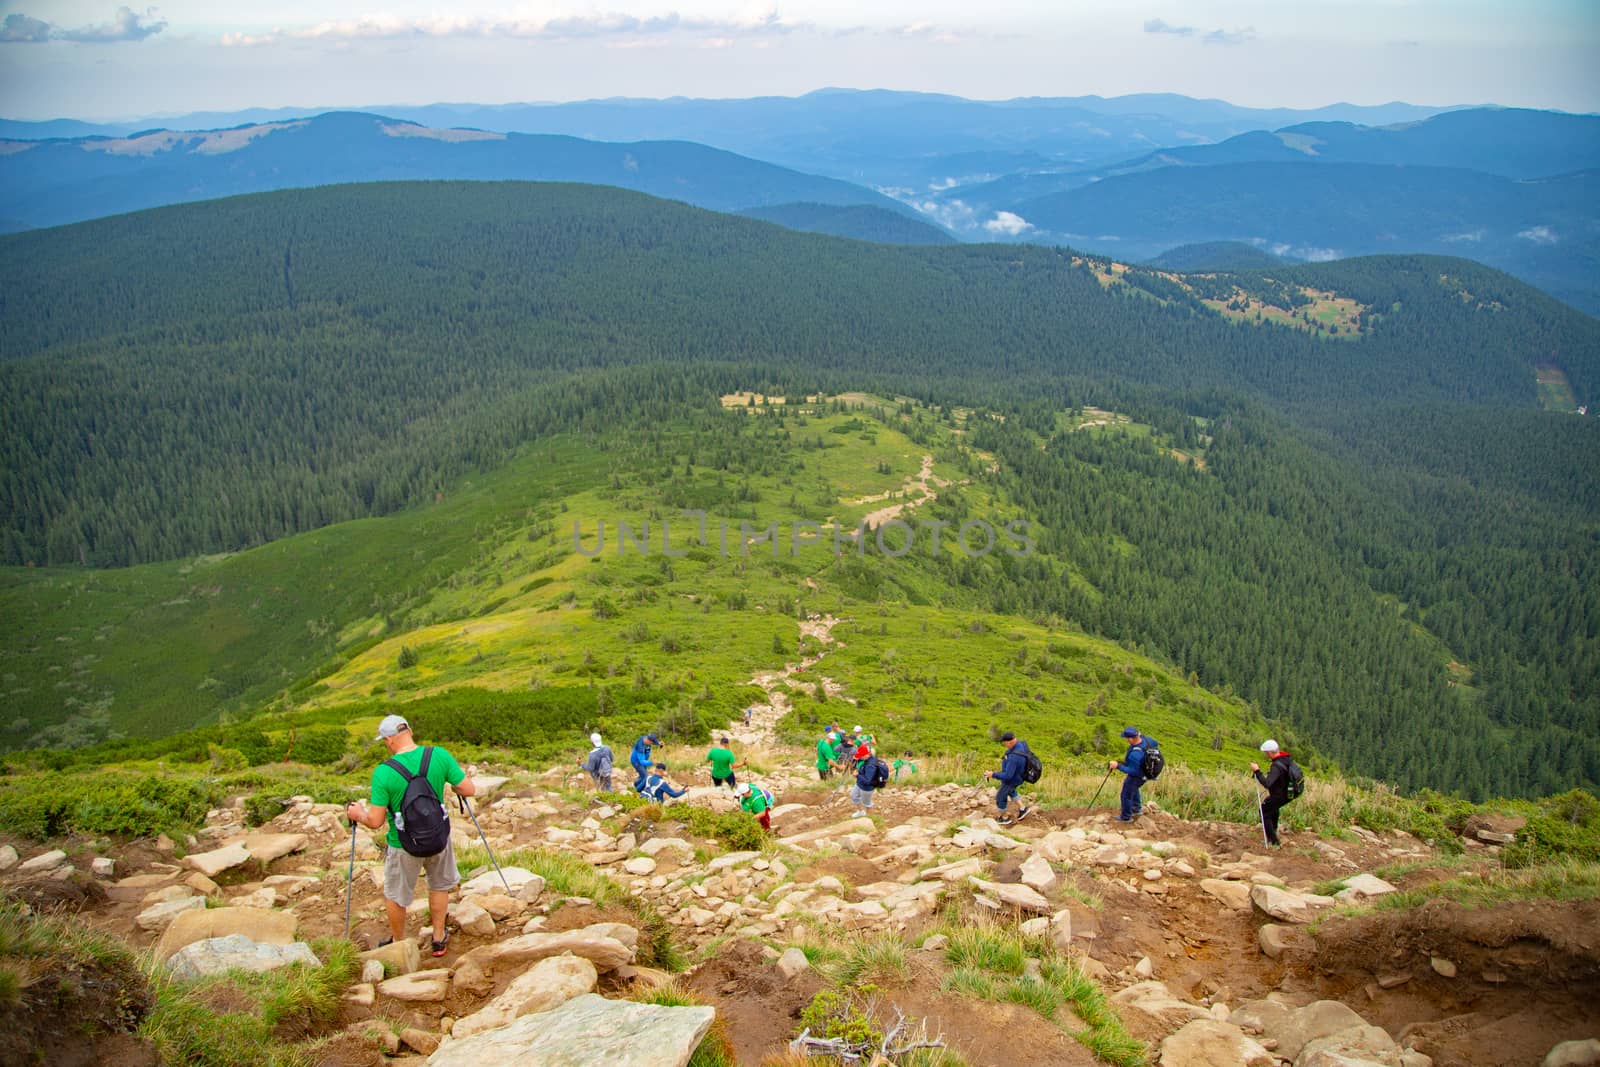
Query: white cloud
x,y
1218,36
1004,222
1466,235
125,25
1539,235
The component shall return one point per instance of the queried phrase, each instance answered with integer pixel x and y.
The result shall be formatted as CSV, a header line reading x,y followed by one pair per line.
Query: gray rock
x,y
420,986
1574,1054
793,961
160,916
1353,1046
1442,967
1233,894
1156,1000
372,971
236,952
1280,904
8,857
43,862
1275,940
1209,1043
401,957
103,866
584,1031
1494,837
1013,894
218,860
258,924
548,984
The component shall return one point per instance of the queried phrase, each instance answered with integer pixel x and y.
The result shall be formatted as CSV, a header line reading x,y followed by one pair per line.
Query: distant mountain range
x,y
917,141
49,183
1127,176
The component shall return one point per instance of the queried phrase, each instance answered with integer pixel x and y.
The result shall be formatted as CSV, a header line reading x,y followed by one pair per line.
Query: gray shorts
x,y
860,797
400,870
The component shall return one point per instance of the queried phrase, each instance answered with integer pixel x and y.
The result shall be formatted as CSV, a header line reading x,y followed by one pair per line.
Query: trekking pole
x,y
468,809
1103,782
1261,811
350,881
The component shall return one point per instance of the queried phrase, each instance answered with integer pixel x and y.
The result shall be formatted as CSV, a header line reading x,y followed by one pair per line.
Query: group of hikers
x,y
407,791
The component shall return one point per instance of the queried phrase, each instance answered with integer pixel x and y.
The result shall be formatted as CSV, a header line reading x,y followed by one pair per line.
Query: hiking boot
x,y
1120,818
1005,820
441,947
1022,814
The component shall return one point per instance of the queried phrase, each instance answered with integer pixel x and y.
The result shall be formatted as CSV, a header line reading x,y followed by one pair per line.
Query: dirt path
x,y
925,482
762,731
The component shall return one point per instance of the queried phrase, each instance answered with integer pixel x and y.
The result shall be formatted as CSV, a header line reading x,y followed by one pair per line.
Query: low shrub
x,y
135,805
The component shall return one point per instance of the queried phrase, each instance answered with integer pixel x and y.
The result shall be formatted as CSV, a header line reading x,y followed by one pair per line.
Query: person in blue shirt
x,y
656,786
1010,777
1132,766
640,759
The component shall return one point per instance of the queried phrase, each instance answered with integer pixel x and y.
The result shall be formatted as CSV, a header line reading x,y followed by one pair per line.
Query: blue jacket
x,y
1014,763
1133,762
656,786
864,773
640,756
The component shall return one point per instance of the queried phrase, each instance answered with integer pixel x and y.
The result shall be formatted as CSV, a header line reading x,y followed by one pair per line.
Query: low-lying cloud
x,y
125,25
1539,235
1007,223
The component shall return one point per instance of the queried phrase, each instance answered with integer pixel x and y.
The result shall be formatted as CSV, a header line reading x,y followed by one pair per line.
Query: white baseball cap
x,y
744,787
1269,745
594,739
391,725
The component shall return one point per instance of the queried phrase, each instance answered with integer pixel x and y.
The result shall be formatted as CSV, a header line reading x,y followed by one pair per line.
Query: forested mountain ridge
x,y
54,182
1321,555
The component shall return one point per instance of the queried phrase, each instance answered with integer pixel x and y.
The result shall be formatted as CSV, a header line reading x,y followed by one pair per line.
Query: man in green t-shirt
x,y
723,764
756,802
827,755
902,763
400,868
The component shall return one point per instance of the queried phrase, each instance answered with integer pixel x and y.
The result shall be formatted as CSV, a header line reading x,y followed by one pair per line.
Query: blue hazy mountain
x,y
1545,231
60,181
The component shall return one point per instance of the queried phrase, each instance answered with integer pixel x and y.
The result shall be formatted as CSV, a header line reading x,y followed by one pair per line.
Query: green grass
x,y
1556,881
187,1026
714,1049
989,961
877,959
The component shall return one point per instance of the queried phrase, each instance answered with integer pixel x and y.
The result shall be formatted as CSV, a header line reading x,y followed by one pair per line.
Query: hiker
x,y
862,748
827,755
640,758
757,802
871,774
1276,781
598,764
749,711
1010,776
400,868
723,765
657,786
1132,765
902,763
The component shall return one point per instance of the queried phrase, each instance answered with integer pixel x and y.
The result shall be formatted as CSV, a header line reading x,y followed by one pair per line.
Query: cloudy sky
x,y
97,60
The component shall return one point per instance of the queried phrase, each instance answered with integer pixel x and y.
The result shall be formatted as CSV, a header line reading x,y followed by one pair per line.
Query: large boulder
x,y
1232,894
1209,1043
1013,895
525,885
1037,872
849,826
236,952
268,847
1293,1028
218,860
43,863
584,1031
160,916
1156,1001
1356,1046
258,924
1280,904
597,944
548,984
418,986
1574,1054
397,957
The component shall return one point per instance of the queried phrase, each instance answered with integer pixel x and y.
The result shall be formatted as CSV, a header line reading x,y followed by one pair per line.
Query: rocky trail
x,y
1213,951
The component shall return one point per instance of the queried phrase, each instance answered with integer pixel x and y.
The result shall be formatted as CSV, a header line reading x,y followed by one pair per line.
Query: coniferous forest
x,y
1374,504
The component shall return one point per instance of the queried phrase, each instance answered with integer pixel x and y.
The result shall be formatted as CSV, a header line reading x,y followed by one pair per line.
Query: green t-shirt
x,y
389,786
826,754
899,763
755,801
722,762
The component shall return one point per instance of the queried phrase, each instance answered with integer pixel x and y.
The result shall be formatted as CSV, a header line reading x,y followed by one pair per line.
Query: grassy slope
x,y
509,604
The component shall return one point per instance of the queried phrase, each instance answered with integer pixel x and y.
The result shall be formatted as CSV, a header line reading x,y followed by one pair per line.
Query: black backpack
x,y
1154,762
880,773
421,820
1032,769
1296,783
